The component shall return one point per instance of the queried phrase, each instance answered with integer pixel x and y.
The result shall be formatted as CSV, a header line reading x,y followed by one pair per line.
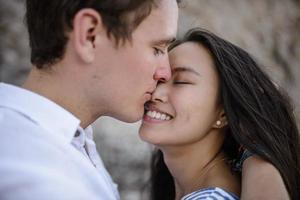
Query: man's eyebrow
x,y
184,69
164,42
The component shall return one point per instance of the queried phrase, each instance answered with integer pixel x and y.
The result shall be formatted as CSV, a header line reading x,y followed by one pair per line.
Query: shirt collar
x,y
39,109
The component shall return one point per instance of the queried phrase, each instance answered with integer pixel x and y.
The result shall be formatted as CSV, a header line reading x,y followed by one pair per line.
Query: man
x,y
90,59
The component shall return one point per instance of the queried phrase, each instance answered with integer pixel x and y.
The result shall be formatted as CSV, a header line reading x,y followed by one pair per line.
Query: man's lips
x,y
152,89
148,96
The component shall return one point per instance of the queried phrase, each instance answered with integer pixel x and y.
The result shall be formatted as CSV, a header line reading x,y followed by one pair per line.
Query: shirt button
x,y
77,133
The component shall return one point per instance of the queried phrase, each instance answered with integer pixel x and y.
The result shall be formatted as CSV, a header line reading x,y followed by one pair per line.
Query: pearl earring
x,y
219,123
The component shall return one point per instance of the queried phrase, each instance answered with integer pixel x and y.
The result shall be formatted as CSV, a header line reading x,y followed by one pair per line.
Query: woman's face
x,y
185,109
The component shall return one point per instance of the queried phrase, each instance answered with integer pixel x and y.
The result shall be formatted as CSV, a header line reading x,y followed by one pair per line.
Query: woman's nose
x,y
160,94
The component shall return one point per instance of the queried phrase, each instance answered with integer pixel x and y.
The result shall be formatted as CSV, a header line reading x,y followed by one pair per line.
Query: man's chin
x,y
131,117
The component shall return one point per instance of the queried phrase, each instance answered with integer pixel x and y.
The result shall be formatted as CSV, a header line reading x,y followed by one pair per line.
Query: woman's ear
x,y
221,120
87,25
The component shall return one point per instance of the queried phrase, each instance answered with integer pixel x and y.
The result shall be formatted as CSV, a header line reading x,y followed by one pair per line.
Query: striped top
x,y
210,194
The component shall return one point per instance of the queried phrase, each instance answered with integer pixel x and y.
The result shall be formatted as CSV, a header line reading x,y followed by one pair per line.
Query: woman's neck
x,y
189,164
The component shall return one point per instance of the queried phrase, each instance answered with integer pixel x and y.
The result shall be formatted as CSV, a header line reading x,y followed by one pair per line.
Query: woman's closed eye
x,y
182,76
178,82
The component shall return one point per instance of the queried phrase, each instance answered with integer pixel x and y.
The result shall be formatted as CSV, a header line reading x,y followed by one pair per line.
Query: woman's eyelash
x,y
181,82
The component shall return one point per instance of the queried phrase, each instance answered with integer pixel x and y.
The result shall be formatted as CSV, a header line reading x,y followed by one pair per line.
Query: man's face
x,y
131,72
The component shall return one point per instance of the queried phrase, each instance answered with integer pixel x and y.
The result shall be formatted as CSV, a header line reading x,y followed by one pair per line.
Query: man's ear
x,y
221,120
87,25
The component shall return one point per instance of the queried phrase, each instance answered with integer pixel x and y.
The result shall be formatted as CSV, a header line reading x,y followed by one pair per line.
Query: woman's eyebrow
x,y
184,69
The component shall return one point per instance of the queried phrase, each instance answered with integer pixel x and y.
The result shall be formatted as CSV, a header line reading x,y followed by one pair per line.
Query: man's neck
x,y
52,85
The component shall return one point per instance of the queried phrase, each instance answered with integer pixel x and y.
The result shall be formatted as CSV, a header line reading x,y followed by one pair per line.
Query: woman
x,y
217,101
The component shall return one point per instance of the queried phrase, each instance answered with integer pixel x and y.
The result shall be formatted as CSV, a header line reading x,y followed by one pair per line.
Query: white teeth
x,y
153,114
158,115
149,113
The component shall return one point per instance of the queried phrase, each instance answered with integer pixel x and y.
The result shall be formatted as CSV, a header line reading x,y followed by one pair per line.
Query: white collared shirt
x,y
45,154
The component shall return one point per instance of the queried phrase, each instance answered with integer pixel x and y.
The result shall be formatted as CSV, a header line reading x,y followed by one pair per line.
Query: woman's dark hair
x,y
260,116
49,21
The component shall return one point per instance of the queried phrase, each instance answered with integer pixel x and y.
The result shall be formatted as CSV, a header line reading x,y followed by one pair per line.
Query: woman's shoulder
x,y
213,193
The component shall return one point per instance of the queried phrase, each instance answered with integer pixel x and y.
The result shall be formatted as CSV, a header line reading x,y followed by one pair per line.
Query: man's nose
x,y
163,73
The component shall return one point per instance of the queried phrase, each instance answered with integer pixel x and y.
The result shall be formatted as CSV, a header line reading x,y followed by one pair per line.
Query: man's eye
x,y
158,51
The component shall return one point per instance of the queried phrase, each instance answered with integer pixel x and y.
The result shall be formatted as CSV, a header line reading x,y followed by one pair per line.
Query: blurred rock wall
x,y
268,29
14,47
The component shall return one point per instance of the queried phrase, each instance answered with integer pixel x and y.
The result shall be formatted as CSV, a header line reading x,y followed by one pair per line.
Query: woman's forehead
x,y
190,53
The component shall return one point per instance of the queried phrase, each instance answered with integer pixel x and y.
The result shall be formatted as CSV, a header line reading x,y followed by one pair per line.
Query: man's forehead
x,y
161,25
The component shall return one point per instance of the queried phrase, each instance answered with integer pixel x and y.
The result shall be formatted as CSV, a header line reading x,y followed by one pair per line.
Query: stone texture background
x,y
268,29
